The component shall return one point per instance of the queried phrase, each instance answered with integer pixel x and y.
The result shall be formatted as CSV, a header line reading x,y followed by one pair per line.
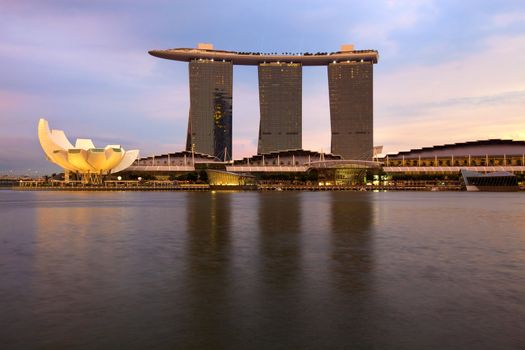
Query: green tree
x,y
203,176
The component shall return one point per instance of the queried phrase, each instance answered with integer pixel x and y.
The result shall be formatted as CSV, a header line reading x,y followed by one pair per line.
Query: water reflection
x,y
99,255
277,299
208,295
351,269
352,250
74,240
279,239
261,270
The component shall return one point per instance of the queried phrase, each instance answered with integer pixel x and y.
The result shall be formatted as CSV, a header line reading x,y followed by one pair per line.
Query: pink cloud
x,y
11,100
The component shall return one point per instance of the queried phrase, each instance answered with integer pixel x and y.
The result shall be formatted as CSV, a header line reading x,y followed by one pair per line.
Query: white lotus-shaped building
x,y
83,158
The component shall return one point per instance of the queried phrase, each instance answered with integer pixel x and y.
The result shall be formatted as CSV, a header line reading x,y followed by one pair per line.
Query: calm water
x,y
254,270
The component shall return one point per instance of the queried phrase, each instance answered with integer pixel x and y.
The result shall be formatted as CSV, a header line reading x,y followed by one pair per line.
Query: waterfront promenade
x,y
205,187
174,185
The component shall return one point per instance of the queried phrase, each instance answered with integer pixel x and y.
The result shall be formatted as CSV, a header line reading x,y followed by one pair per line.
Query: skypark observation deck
x,y
257,58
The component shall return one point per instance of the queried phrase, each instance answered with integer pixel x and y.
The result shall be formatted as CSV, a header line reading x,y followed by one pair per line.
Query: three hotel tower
x,y
350,88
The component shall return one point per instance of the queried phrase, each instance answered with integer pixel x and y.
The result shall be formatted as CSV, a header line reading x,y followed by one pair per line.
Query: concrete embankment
x,y
262,188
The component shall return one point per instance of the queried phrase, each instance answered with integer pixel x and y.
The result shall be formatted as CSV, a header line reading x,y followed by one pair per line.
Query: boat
x,y
498,181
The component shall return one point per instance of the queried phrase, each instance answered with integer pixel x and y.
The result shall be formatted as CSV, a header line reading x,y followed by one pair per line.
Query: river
x,y
249,270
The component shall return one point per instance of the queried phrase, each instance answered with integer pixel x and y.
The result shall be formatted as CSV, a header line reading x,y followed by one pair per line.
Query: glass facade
x,y
351,109
210,119
280,98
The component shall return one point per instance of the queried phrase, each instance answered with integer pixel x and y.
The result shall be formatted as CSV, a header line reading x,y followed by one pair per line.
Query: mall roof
x,y
480,147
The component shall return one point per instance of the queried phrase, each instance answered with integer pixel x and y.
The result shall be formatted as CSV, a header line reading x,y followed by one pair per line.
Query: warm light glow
x,y
84,157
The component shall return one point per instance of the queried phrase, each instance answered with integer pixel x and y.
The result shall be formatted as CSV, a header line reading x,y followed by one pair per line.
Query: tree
x,y
203,176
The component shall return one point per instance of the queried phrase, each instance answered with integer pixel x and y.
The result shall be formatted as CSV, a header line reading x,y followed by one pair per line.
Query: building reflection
x,y
351,252
276,298
279,238
67,227
351,268
208,294
74,266
208,232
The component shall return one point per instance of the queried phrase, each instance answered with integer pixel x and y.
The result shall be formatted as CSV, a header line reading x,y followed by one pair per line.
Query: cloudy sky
x,y
449,71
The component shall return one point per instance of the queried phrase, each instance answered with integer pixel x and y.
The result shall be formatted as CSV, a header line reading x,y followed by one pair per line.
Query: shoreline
x,y
262,187
265,188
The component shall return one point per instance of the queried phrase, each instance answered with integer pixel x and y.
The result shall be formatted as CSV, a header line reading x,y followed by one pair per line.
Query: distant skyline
x,y
448,71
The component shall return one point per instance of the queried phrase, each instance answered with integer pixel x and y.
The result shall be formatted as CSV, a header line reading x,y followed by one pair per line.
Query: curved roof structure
x,y
84,157
285,154
199,157
346,163
473,148
256,58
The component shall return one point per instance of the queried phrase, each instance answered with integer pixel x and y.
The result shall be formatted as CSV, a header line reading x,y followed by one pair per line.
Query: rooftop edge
x,y
256,58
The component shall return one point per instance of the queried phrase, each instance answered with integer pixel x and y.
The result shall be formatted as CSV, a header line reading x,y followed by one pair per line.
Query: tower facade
x,y
210,117
351,109
280,97
280,93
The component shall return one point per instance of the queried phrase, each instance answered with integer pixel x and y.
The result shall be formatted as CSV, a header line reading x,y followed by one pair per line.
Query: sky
x,y
448,71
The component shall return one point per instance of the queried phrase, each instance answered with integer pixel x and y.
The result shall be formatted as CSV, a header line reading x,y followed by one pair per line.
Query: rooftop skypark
x,y
206,52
